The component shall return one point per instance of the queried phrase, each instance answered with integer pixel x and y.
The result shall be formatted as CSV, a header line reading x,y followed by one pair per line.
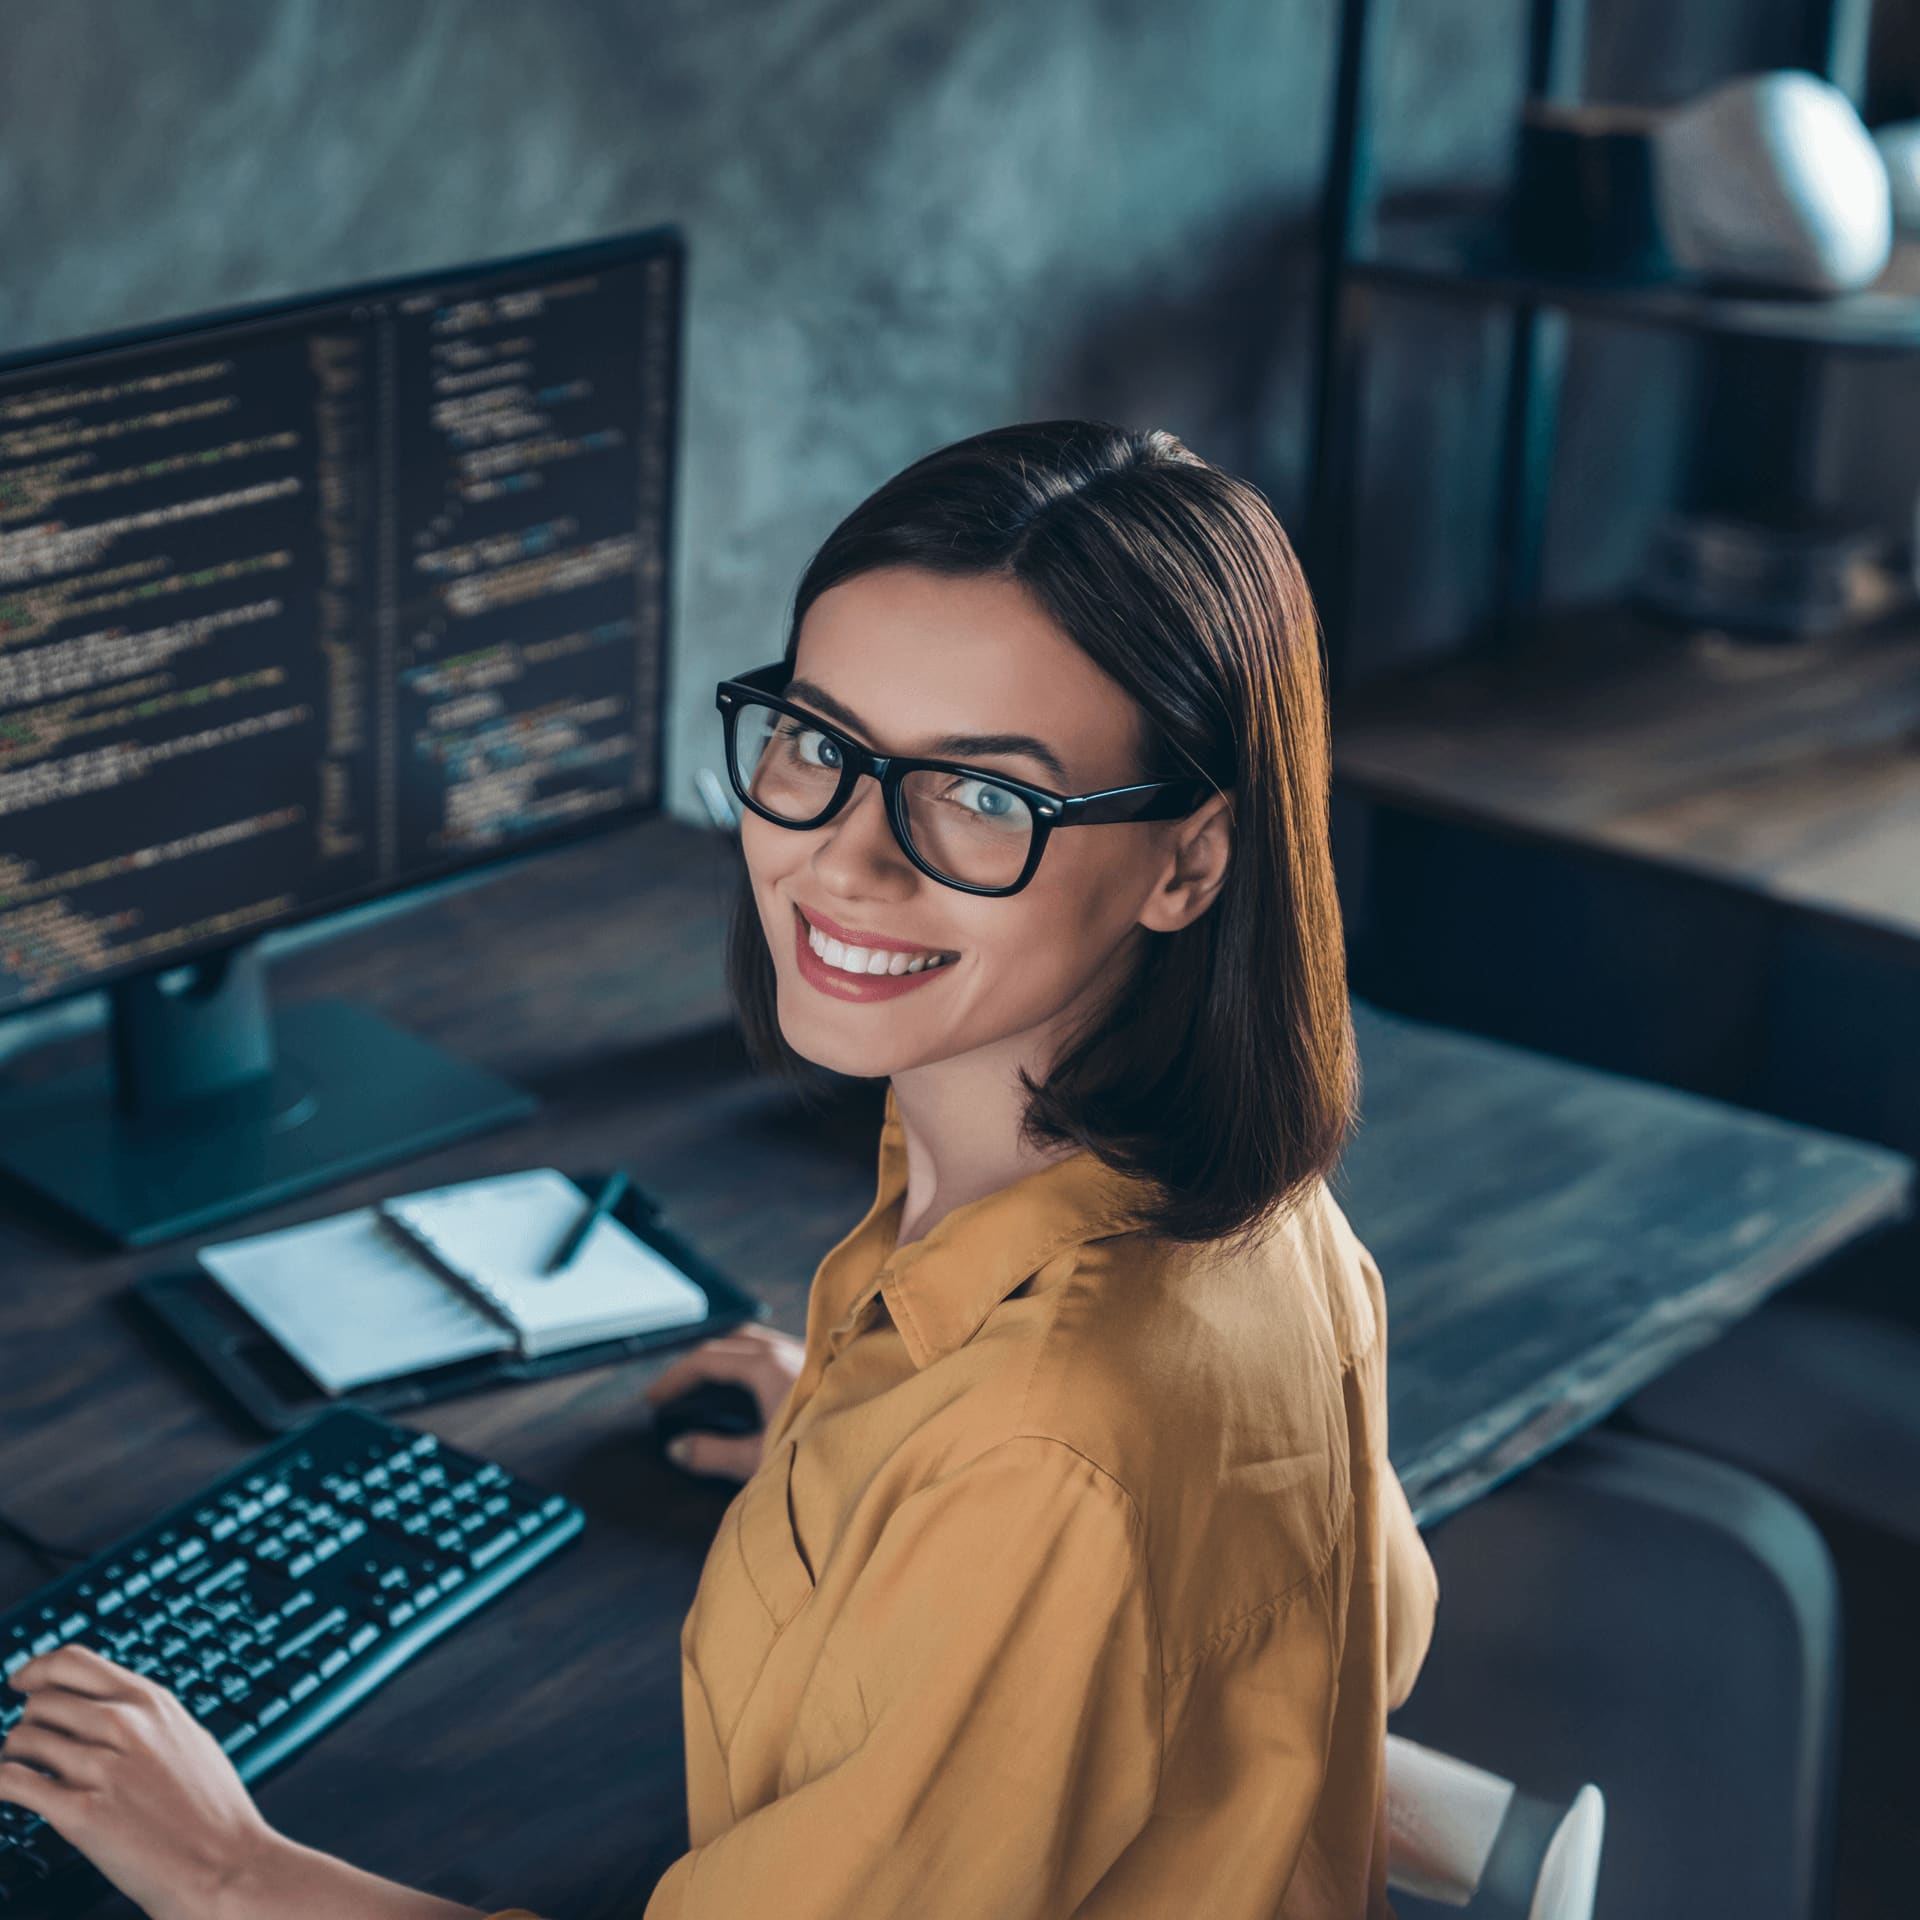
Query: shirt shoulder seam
x,y
1280,1603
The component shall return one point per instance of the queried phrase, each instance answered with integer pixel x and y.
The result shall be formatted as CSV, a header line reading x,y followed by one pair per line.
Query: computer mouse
x,y
715,1406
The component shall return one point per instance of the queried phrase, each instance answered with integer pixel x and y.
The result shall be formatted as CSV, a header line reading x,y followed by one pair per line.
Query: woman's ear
x,y
1196,868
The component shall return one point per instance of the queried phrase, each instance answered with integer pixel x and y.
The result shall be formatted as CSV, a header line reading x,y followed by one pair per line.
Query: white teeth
x,y
869,960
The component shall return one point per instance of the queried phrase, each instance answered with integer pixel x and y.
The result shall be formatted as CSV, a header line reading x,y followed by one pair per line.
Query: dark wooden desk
x,y
1550,1239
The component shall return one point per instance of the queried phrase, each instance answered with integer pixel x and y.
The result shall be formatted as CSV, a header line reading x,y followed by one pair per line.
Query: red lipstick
x,y
838,984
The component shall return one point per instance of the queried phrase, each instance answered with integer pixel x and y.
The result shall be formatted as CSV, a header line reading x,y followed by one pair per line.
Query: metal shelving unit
x,y
1767,345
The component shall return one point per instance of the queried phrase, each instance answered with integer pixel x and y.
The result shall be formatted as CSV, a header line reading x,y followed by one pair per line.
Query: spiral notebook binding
x,y
480,1290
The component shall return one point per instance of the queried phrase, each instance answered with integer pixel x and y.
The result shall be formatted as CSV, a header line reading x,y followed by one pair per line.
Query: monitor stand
x,y
212,1104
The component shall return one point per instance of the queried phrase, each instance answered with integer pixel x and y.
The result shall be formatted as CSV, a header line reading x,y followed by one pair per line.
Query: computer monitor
x,y
302,604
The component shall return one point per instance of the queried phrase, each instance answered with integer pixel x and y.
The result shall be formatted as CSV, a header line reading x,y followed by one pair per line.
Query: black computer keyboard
x,y
283,1593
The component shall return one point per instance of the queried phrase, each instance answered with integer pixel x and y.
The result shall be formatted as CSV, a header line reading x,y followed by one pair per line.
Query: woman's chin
x,y
812,1039
813,1036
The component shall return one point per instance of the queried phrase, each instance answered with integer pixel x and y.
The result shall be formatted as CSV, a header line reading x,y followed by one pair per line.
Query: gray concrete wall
x,y
908,222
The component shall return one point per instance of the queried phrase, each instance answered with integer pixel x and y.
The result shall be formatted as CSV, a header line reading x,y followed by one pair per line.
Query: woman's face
x,y
902,658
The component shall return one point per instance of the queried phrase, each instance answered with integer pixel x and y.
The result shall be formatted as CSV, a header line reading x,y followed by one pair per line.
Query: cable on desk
x,y
51,1555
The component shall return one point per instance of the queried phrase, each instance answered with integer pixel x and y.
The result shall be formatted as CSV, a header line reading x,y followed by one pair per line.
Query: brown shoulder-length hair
x,y
1224,1073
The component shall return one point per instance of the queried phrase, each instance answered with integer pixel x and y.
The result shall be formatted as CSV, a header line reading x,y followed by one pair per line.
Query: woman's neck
x,y
960,1120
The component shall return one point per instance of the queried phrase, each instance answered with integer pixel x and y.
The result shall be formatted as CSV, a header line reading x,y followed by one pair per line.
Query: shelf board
x,y
1790,771
1464,257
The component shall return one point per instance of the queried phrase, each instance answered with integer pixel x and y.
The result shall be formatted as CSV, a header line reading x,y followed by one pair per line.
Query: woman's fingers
x,y
734,1456
687,1371
51,1799
729,1356
760,1358
99,1722
79,1670
74,1763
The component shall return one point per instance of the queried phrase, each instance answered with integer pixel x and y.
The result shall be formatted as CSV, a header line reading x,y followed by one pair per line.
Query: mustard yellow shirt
x,y
1074,1581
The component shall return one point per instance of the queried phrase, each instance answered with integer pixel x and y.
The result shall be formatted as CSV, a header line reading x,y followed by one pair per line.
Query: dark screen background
x,y
304,608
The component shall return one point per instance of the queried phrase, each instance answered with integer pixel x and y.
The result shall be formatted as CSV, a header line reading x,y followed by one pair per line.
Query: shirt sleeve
x,y
1006,1652
1411,1581
1413,1592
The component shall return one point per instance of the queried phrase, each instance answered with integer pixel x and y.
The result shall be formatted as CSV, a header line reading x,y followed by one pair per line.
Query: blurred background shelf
x,y
1792,772
1461,253
1756,430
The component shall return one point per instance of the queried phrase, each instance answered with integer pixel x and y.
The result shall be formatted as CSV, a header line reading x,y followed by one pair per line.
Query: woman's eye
x,y
805,742
985,802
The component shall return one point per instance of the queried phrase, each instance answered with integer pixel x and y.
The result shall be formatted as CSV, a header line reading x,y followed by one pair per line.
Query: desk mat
x,y
255,1370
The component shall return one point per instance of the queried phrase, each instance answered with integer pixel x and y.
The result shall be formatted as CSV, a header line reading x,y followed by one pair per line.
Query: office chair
x,y
1664,1628
1463,1836
1822,1401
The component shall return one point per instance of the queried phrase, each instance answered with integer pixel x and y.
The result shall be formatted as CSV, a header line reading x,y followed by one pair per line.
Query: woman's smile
x,y
859,973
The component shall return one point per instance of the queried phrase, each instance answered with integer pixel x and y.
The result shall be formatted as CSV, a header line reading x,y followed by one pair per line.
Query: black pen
x,y
608,1200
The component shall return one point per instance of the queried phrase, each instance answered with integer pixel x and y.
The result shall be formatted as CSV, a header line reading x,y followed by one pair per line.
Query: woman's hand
x,y
133,1780
757,1357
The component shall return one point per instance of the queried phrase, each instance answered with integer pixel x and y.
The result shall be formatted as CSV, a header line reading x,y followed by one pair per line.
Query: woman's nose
x,y
858,843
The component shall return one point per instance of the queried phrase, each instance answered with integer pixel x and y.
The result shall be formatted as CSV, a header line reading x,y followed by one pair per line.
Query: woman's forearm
x,y
283,1880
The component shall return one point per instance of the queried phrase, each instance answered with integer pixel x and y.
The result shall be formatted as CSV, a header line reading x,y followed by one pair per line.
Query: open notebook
x,y
447,1273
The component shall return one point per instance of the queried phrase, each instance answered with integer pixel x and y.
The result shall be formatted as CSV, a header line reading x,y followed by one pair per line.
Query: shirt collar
x,y
941,1288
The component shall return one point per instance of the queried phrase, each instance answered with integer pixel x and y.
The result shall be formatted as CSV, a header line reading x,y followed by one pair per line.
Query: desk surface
x,y
1550,1237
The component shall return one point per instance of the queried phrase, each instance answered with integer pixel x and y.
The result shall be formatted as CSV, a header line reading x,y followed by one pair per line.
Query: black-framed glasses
x,y
980,831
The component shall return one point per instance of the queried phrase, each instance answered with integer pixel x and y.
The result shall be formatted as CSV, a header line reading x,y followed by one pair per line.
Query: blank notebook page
x,y
501,1232
348,1301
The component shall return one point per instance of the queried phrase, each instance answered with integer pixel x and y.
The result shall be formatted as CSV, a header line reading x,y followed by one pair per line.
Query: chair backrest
x,y
1667,1627
1464,1836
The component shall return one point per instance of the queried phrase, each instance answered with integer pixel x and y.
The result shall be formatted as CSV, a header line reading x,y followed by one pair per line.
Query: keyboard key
x,y
489,1551
230,1728
333,1617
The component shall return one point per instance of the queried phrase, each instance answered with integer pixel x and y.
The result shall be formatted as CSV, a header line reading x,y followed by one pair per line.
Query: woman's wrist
x,y
279,1879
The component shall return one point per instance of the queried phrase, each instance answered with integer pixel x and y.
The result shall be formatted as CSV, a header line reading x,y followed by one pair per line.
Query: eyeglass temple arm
x,y
1154,800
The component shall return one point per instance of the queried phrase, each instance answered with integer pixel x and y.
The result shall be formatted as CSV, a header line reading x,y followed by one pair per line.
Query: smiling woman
x,y
1071,1575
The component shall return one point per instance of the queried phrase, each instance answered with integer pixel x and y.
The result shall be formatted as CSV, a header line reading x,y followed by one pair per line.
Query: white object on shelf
x,y
1773,180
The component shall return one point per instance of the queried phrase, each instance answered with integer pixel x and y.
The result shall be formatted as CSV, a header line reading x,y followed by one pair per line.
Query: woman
x,y
1070,1576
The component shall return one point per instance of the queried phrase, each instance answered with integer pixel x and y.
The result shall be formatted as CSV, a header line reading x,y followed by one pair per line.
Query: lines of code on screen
x,y
304,609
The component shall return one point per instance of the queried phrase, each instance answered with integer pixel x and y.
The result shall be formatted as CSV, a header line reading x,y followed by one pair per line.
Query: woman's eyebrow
x,y
958,743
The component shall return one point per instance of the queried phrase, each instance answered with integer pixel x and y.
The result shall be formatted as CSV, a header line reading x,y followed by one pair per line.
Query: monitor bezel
x,y
666,239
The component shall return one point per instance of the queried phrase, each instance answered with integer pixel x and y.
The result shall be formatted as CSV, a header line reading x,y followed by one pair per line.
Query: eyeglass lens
x,y
964,826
